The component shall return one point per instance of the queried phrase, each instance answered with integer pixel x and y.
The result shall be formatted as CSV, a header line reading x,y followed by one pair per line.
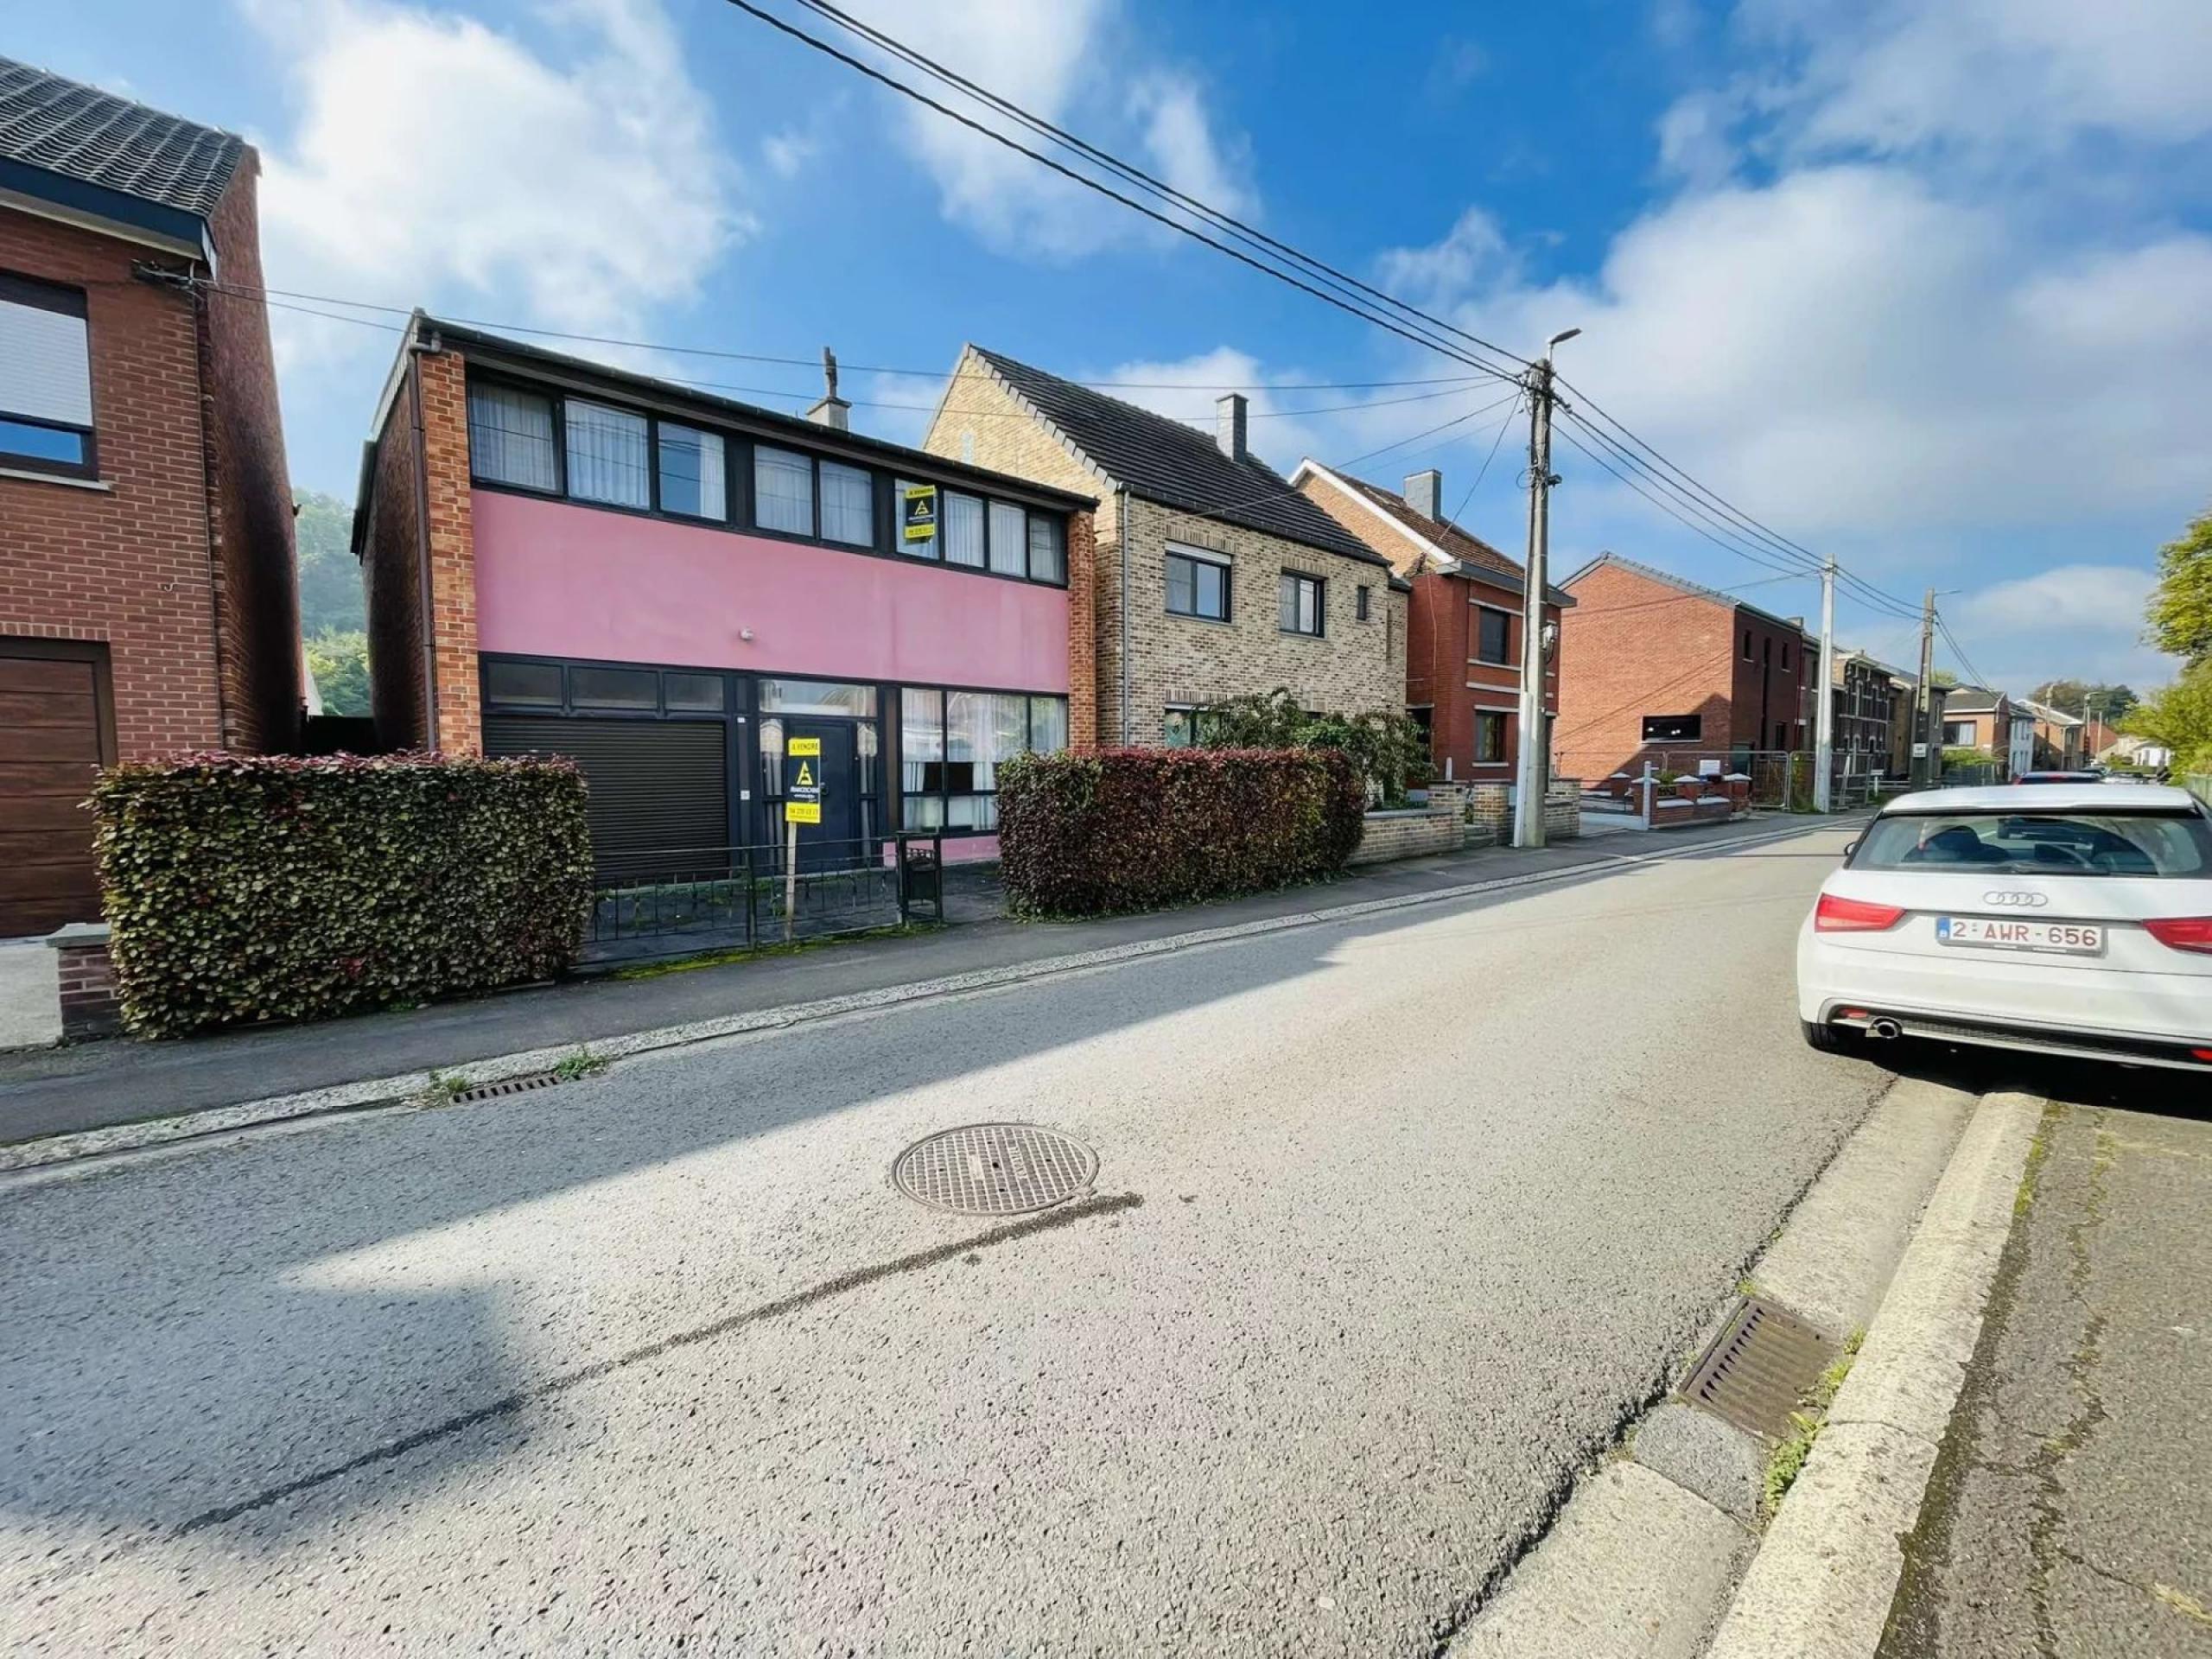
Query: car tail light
x,y
2182,932
1834,915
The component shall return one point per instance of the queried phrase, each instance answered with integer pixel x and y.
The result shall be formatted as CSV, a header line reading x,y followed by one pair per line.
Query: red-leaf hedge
x,y
253,887
1116,829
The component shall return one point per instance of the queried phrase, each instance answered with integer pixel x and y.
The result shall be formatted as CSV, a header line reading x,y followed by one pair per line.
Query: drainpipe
x,y
418,350
1121,514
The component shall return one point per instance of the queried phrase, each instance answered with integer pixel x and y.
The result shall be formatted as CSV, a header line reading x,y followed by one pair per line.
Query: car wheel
x,y
1830,1039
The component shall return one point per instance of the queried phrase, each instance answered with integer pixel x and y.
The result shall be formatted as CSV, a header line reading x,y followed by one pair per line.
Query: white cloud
x,y
786,153
1473,253
2096,598
2078,621
436,160
1072,64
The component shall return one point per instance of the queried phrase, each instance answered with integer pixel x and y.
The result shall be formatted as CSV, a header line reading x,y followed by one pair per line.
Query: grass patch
x,y
445,1088
1787,1461
582,1064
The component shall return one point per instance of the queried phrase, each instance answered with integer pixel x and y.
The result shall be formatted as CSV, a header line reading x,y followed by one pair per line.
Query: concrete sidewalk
x,y
62,1090
2069,1511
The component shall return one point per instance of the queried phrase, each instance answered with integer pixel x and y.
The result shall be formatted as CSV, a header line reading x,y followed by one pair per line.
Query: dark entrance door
x,y
832,842
55,731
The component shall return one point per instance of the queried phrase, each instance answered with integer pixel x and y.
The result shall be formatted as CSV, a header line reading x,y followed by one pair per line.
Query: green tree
x,y
2179,716
339,659
330,577
1385,744
2180,605
1942,678
2080,697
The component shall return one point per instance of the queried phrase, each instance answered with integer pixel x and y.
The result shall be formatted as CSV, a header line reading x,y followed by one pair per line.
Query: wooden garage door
x,y
53,733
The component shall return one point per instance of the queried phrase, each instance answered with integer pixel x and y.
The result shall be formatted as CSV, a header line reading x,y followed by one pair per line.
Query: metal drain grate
x,y
506,1086
994,1169
1758,1369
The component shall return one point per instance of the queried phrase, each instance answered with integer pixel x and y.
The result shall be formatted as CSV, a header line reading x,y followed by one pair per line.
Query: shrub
x,y
1389,750
1116,830
243,888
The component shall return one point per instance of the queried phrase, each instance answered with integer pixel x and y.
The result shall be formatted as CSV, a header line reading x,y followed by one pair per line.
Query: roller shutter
x,y
655,785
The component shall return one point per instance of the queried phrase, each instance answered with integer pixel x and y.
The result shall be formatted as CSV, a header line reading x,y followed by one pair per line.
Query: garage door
x,y
657,786
53,736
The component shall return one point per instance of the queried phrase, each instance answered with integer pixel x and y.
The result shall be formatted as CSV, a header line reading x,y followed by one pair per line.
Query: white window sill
x,y
103,486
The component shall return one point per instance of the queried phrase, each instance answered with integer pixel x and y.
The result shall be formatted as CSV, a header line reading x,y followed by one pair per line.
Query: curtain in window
x,y
783,490
964,529
606,455
1048,725
848,505
511,438
1048,553
691,472
1009,539
921,757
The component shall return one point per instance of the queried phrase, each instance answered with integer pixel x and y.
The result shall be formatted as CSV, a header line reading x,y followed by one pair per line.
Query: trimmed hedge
x,y
1118,829
254,887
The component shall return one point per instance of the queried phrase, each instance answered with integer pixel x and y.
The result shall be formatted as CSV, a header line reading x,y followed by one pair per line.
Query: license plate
x,y
2005,933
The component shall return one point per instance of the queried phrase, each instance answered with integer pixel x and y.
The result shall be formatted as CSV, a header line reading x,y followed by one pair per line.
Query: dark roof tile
x,y
81,132
1178,466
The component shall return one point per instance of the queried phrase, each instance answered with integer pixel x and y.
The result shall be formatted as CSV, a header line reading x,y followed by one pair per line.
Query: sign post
x,y
802,804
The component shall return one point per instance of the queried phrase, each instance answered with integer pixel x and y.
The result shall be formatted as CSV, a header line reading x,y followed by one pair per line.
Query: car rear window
x,y
2040,843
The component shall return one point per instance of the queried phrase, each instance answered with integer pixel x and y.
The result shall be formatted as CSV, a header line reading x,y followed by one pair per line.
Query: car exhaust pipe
x,y
1885,1030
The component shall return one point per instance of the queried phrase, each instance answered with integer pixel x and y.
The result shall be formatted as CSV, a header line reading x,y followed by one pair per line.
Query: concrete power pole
x,y
1924,768
1824,713
1532,775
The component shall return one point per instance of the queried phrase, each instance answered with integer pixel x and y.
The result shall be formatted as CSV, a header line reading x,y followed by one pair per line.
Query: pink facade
x,y
556,580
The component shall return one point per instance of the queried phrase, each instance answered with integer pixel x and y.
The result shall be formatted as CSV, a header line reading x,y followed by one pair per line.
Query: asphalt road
x,y
1396,1221
2067,1514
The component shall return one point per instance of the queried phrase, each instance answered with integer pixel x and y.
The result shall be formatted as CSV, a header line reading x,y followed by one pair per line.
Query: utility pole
x,y
1924,768
1532,775
1824,713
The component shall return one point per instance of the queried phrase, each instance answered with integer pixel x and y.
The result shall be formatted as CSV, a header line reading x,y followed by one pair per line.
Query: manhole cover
x,y
1757,1368
994,1169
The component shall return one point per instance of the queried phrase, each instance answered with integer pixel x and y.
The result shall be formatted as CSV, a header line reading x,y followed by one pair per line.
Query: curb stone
x,y
1823,1582
28,1158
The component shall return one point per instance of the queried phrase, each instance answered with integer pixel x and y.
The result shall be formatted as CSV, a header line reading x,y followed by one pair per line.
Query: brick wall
x,y
126,562
84,982
1633,646
392,556
1355,667
1407,834
258,600
1083,649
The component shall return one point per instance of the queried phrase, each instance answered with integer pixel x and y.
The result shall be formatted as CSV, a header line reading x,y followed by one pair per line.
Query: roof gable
x,y
1475,557
1682,585
93,137
1164,460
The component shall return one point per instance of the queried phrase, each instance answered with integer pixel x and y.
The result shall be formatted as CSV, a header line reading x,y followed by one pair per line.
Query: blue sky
x,y
1929,285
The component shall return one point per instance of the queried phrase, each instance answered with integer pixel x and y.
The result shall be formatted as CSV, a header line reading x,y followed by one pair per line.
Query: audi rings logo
x,y
2016,901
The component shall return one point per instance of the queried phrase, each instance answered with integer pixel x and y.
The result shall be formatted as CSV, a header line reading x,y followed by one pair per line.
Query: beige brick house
x,y
1213,576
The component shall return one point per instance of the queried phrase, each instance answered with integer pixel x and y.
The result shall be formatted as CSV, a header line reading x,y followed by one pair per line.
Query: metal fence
x,y
675,901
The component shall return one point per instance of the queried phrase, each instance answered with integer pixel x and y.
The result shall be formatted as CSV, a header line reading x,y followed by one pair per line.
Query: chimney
x,y
831,410
1229,424
1425,494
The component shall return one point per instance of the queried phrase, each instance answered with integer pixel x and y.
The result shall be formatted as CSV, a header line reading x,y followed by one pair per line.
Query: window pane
x,y
606,455
964,529
701,692
692,477
772,763
922,811
1364,592
921,754
1301,604
817,697
1175,728
1213,591
1048,552
1009,539
848,505
1182,586
45,371
917,512
1494,643
538,682
614,688
511,438
41,442
783,490
1048,725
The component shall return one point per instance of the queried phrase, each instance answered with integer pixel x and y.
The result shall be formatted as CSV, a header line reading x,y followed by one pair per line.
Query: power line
x,y
1351,308
1669,509
1487,459
1250,236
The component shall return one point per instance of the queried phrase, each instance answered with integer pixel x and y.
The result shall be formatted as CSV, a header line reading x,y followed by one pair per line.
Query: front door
x,y
832,843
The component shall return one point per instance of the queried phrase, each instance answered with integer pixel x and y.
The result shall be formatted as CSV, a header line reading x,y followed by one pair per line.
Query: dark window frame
x,y
1320,587
1484,717
64,300
1194,559
1692,728
1361,601
738,493
896,756
1482,613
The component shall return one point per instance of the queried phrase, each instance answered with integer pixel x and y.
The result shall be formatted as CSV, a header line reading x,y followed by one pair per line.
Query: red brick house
x,y
1654,667
147,602
1463,619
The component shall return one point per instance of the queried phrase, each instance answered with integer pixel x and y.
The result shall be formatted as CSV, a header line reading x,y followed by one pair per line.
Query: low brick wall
x,y
1672,813
1411,833
87,982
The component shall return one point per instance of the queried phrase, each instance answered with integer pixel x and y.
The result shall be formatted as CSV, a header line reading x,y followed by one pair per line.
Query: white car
x,y
2062,917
